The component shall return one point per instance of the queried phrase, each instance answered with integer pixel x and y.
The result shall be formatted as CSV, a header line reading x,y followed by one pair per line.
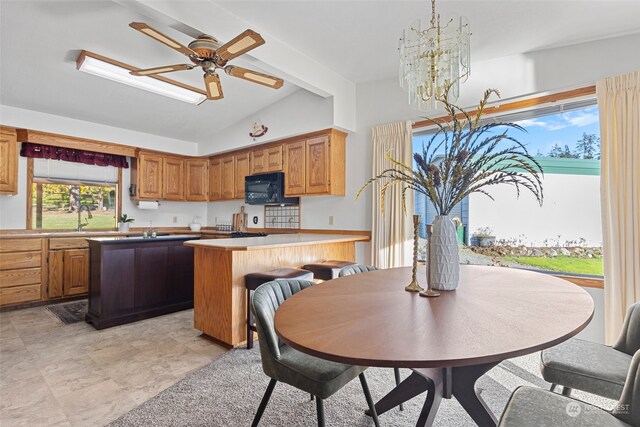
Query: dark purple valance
x,y
40,151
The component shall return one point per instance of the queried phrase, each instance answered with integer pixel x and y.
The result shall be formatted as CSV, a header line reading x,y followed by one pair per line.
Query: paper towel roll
x,y
146,204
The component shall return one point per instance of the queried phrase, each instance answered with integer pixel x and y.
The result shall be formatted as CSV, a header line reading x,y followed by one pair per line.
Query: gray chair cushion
x,y
317,376
535,407
586,366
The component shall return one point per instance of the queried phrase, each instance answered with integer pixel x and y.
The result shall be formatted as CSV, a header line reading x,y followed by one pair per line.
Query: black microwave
x,y
267,189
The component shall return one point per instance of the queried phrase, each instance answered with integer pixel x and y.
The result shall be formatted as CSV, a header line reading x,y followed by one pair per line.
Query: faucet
x,y
81,224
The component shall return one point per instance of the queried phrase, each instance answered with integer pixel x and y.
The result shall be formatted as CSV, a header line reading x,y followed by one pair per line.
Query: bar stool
x,y
327,270
253,280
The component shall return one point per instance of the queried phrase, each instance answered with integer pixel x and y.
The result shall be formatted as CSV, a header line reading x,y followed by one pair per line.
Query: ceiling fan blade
x,y
242,43
160,70
213,86
254,76
157,35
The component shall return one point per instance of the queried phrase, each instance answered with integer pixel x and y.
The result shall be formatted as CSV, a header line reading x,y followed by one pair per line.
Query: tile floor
x,y
73,375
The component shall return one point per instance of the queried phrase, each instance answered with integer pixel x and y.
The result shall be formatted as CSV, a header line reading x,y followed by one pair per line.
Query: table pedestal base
x,y
442,383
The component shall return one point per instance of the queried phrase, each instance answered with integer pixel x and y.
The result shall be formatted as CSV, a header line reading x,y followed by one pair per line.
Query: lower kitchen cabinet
x,y
21,266
68,273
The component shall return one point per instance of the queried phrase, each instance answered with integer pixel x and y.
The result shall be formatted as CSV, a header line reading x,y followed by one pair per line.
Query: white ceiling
x,y
359,39
39,42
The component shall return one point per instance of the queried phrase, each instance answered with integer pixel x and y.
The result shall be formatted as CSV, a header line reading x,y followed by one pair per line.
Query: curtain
x,y
619,105
391,232
40,151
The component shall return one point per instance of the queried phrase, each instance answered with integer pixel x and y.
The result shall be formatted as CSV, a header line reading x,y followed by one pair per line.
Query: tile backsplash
x,y
282,217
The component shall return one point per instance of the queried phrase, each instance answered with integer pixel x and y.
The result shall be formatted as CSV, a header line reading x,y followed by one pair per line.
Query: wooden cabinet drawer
x,y
18,294
68,243
12,261
19,245
26,276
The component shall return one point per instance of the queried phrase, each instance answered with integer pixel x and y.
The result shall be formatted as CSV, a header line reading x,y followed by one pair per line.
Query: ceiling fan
x,y
207,53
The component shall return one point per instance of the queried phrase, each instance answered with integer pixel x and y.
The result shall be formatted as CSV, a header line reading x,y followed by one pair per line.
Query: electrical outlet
x,y
330,219
175,219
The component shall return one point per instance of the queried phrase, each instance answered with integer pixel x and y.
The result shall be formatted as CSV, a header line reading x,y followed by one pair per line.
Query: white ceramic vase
x,y
123,227
444,256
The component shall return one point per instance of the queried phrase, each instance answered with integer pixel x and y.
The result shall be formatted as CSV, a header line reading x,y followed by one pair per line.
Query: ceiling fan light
x,y
110,70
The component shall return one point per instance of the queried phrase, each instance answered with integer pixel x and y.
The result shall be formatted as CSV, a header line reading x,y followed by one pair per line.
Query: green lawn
x,y
69,221
563,263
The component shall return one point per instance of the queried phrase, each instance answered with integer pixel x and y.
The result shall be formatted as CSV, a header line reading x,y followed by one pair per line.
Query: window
x,y
71,196
564,235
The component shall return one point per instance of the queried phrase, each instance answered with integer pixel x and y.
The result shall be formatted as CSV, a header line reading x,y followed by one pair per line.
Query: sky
x,y
544,132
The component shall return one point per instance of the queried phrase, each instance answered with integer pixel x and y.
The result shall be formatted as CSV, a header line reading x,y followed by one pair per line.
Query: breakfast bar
x,y
221,264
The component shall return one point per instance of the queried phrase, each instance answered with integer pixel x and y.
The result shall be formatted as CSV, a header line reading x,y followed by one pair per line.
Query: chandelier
x,y
433,58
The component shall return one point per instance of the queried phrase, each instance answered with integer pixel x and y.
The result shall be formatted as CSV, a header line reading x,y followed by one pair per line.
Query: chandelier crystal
x,y
433,58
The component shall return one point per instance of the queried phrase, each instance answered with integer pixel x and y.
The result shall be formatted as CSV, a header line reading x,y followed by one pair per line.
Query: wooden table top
x,y
368,319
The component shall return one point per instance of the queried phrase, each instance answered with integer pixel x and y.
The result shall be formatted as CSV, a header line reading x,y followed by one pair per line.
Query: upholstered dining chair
x,y
362,268
591,367
534,407
318,377
355,269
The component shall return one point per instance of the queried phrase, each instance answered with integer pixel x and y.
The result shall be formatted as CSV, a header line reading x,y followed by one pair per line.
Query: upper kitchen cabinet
x,y
173,178
265,160
197,187
294,168
316,165
227,178
242,169
146,173
8,161
215,179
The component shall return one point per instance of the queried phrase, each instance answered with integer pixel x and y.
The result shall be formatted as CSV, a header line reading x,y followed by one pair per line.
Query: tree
x,y
588,146
557,151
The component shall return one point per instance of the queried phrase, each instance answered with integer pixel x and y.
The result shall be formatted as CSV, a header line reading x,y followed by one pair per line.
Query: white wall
x,y
571,210
35,120
296,114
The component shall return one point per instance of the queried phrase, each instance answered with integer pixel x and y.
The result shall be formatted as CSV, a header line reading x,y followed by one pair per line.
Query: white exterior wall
x,y
571,210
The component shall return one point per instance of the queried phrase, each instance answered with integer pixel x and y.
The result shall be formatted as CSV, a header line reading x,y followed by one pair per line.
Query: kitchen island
x,y
134,278
221,264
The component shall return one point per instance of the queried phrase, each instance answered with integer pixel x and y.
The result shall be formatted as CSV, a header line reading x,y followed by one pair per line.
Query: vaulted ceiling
x,y
352,40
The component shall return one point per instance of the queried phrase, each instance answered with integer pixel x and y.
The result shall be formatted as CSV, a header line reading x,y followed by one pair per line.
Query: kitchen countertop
x,y
137,239
274,241
92,234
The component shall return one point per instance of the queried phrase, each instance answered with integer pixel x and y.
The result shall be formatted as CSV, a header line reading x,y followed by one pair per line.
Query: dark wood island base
x,y
134,279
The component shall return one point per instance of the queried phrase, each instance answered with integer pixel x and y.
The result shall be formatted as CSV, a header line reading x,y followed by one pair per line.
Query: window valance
x,y
41,151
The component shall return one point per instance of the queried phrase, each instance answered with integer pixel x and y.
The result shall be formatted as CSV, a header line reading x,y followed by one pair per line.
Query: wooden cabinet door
x,y
56,274
259,161
227,181
76,271
197,180
317,162
294,169
150,176
173,178
8,161
242,169
274,159
215,178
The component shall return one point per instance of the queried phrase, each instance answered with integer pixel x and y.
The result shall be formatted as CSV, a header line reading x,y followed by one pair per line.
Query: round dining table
x,y
449,341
